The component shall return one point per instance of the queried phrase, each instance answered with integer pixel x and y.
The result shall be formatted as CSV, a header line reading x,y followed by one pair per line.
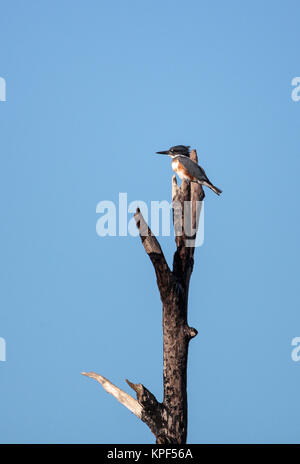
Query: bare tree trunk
x,y
168,420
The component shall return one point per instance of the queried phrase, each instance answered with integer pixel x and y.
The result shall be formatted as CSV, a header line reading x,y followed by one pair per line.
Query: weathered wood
x,y
152,247
130,403
168,420
174,287
176,331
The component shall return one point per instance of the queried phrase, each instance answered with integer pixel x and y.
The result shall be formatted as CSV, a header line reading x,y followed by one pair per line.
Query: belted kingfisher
x,y
187,168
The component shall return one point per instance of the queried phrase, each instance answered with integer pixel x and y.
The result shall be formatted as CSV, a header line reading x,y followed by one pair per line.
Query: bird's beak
x,y
163,152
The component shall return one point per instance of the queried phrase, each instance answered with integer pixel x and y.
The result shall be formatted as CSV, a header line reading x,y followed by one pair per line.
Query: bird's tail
x,y
213,187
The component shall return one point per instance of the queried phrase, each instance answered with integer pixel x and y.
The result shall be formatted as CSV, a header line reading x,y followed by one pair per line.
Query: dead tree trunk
x,y
168,420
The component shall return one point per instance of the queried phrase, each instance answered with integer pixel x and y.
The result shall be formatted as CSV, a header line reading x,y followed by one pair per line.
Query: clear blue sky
x,y
93,90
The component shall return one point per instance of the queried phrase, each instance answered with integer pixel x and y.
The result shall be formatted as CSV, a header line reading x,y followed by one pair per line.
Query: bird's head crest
x,y
180,150
176,150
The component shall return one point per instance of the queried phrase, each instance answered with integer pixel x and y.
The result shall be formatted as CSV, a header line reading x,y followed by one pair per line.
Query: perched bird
x,y
187,168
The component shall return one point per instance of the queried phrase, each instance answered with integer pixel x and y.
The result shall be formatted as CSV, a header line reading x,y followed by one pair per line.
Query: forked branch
x,y
128,401
168,420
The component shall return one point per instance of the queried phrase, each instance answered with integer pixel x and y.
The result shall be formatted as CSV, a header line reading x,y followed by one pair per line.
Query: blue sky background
x,y
93,90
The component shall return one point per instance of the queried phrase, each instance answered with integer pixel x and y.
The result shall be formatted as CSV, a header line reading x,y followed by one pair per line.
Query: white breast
x,y
175,167
175,164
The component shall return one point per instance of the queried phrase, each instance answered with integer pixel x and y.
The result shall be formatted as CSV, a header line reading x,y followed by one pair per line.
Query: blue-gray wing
x,y
193,168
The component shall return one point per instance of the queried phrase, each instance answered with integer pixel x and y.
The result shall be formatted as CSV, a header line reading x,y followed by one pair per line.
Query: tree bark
x,y
168,420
